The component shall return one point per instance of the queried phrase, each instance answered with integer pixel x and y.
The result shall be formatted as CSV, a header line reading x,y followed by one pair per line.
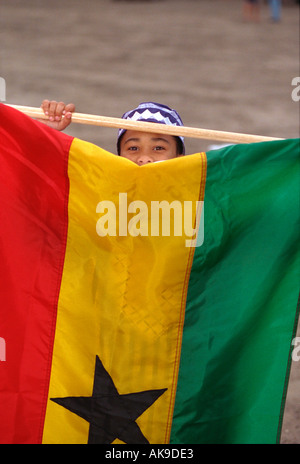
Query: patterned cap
x,y
154,112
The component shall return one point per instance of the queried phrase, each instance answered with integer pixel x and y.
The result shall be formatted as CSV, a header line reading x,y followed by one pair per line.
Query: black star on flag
x,y
110,414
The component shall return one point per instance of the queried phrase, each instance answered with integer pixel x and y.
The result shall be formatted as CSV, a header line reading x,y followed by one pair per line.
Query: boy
x,y
139,147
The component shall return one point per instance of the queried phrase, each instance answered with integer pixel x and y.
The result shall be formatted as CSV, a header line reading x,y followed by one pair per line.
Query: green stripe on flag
x,y
241,309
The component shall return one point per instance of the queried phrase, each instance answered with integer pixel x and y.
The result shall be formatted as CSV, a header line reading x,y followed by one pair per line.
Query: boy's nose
x,y
144,159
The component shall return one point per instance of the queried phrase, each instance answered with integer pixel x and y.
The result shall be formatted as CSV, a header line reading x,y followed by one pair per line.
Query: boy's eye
x,y
133,148
159,147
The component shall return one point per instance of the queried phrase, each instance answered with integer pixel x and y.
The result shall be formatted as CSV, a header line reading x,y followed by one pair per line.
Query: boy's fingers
x,y
52,110
70,108
58,113
65,122
60,108
45,106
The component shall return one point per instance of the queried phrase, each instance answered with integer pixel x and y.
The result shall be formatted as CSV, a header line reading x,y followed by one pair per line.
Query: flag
x,y
119,326
241,311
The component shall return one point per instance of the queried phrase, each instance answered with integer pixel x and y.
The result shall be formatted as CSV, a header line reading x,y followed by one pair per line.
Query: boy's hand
x,y
59,114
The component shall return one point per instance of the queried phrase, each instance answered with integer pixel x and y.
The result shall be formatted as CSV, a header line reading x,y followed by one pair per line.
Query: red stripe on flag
x,y
33,217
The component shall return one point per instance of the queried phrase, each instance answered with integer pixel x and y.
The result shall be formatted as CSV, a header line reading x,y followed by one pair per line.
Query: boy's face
x,y
146,147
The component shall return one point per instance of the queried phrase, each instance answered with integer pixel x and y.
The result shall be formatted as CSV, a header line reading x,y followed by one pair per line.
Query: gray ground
x,y
197,56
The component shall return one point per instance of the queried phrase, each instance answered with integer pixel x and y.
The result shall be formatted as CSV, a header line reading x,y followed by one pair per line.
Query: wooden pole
x,y
118,123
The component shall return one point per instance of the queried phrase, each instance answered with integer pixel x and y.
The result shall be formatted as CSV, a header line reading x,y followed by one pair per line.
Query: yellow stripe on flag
x,y
122,297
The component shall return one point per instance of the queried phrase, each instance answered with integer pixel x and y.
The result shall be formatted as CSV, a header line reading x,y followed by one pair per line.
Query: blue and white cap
x,y
153,112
